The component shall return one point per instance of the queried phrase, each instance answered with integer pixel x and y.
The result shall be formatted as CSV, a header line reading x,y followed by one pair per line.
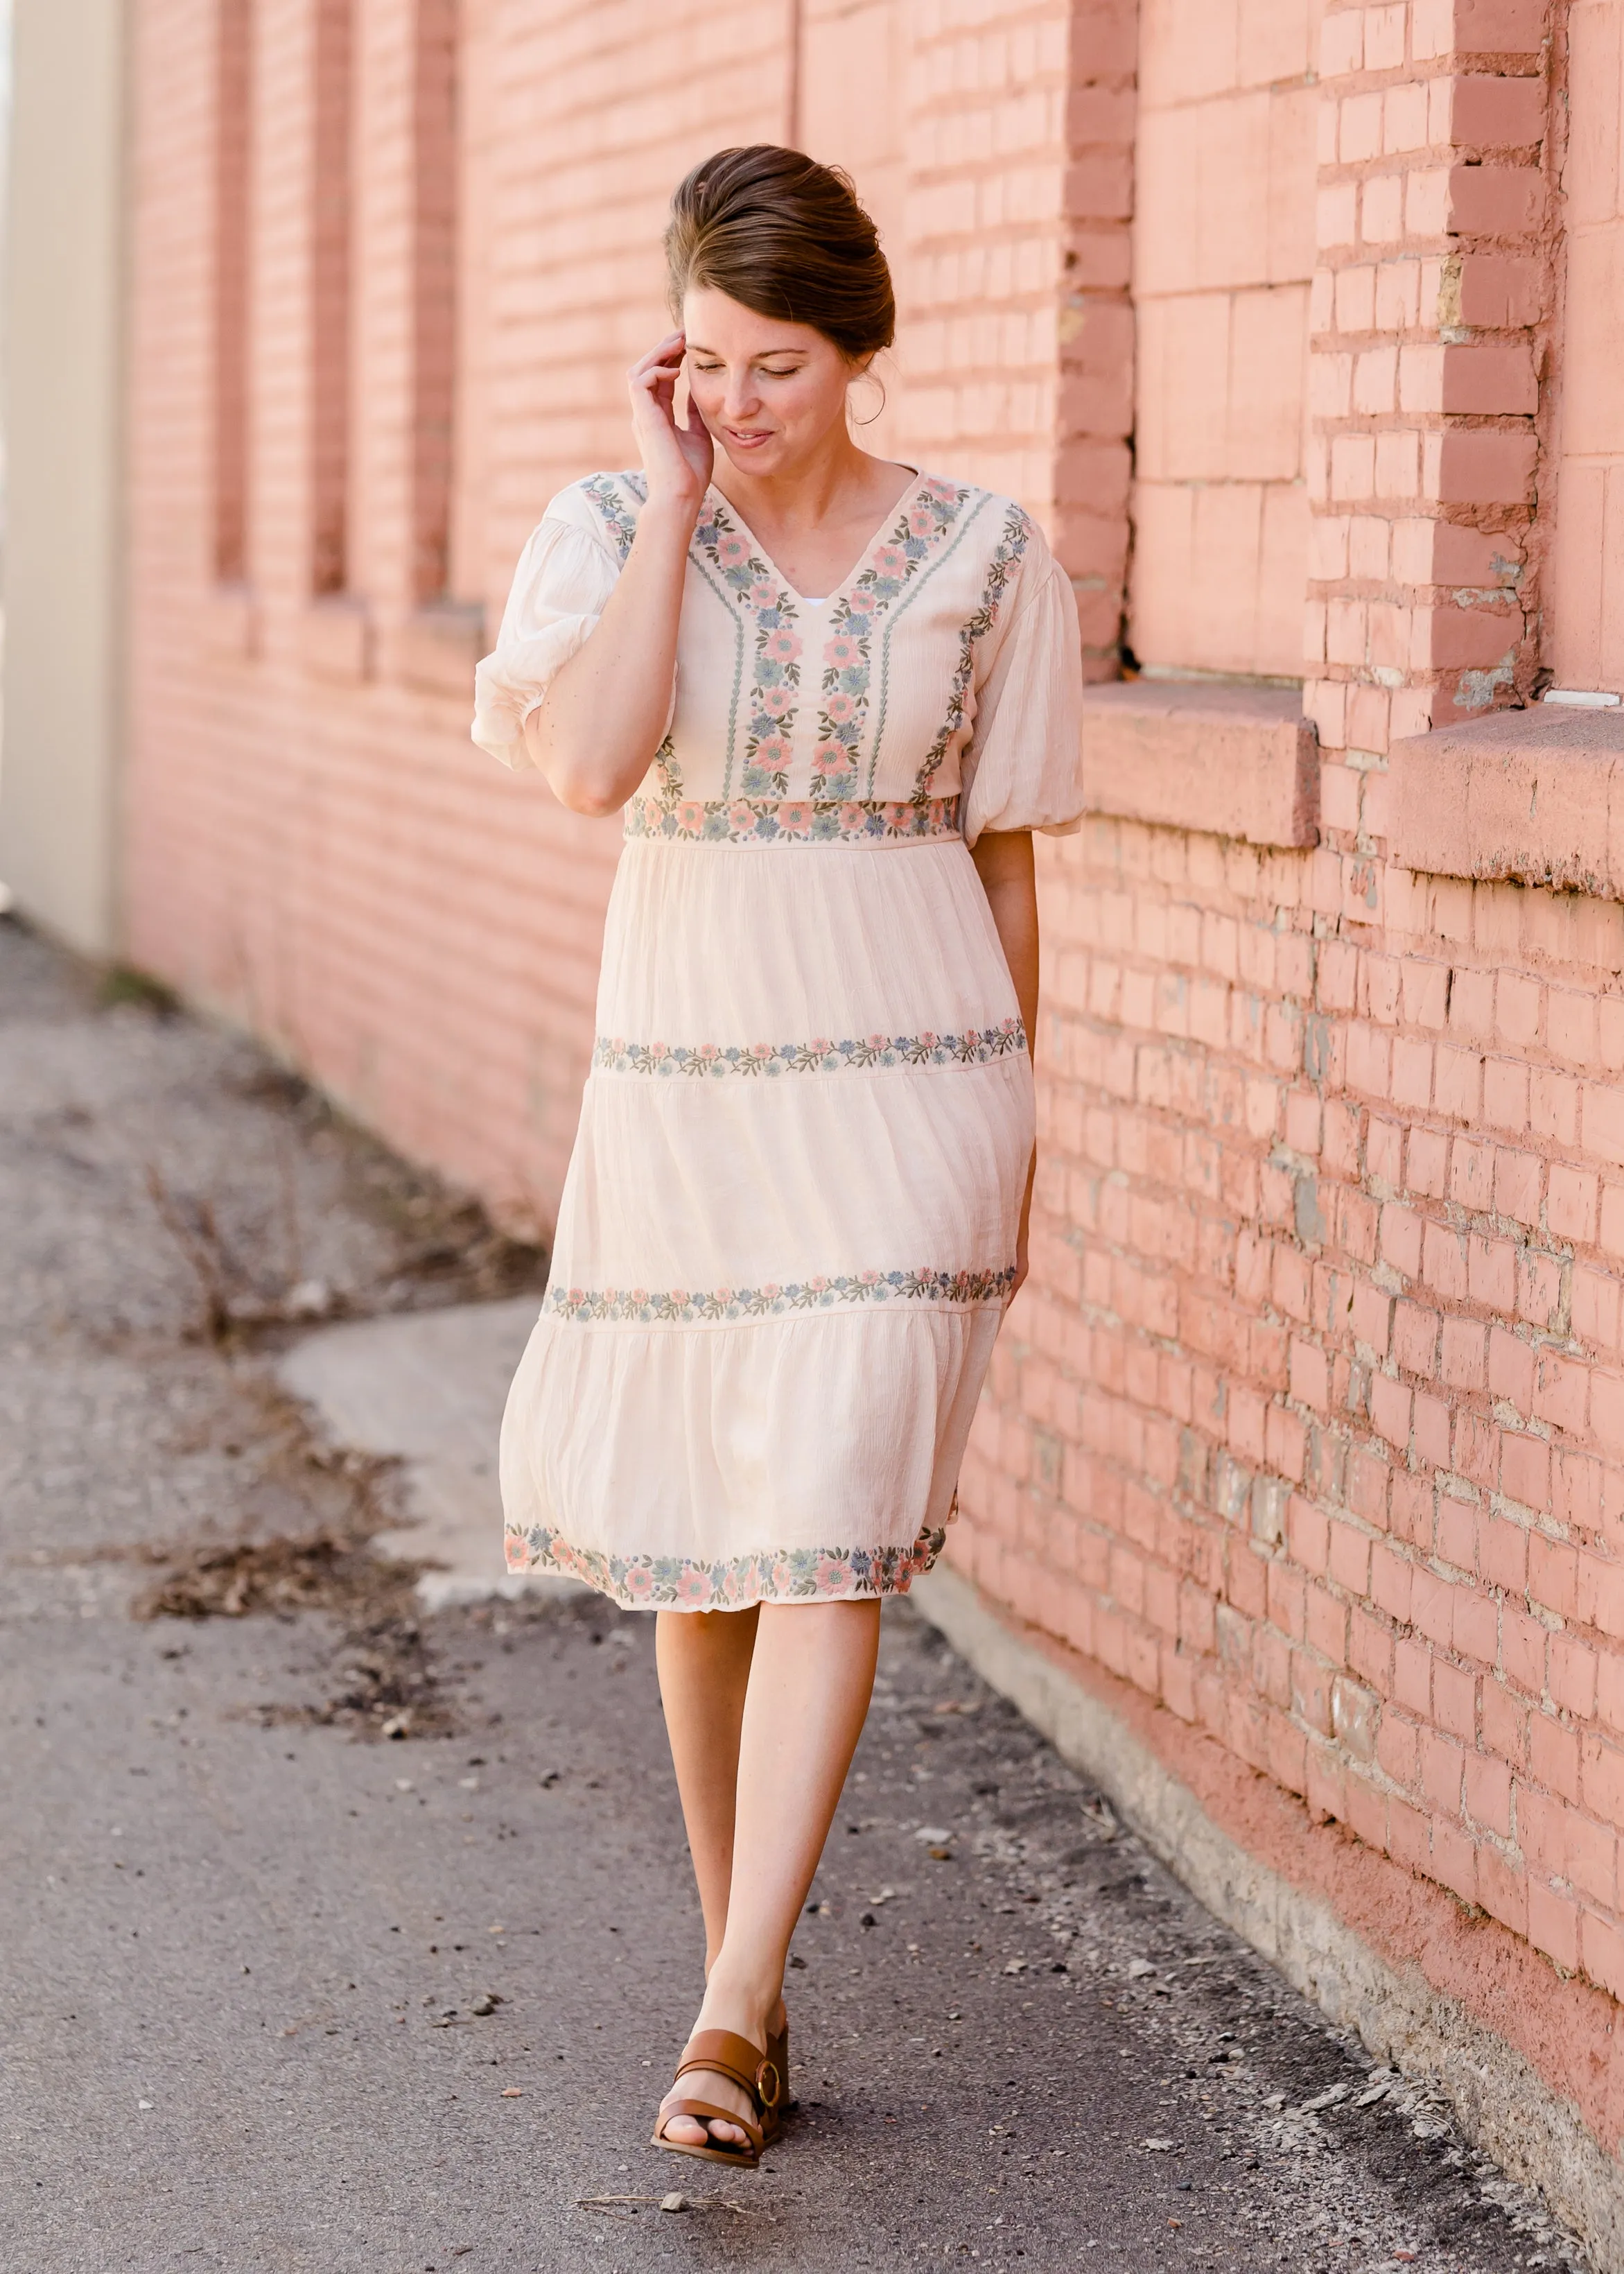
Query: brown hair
x,y
783,235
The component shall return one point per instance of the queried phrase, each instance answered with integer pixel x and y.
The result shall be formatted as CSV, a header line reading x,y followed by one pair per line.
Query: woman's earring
x,y
873,379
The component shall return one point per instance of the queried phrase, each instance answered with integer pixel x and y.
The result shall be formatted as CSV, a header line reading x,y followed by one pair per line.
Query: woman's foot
x,y
718,2013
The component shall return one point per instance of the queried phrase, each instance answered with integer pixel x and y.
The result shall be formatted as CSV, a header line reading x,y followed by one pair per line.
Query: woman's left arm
x,y
1003,862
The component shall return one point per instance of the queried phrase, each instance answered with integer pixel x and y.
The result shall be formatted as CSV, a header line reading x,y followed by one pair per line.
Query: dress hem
x,y
679,1582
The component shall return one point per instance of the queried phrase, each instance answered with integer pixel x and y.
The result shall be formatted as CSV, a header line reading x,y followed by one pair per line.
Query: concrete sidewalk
x,y
427,1388
279,1993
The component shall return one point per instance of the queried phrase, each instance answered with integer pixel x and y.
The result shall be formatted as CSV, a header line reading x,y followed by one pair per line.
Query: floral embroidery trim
x,y
775,684
930,513
926,516
977,501
793,821
621,523
783,1575
708,1061
1013,539
668,775
680,1306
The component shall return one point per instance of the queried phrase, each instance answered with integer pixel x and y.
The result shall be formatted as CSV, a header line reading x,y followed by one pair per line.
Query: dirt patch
x,y
448,1248
387,1685
120,985
308,1520
466,1259
314,1573
384,1681
237,1293
282,1210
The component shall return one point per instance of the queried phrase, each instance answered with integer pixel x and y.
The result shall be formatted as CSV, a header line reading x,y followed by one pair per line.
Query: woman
x,y
834,696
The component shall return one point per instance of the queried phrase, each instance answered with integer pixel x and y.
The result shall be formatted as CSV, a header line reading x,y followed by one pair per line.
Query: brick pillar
x,y
331,408
279,507
1016,329
1431,291
382,478
233,94
1096,406
435,171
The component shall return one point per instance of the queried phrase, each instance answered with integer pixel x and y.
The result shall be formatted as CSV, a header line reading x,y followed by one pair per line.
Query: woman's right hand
x,y
607,708
676,459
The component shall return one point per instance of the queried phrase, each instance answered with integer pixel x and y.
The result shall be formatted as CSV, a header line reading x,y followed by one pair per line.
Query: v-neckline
x,y
802,600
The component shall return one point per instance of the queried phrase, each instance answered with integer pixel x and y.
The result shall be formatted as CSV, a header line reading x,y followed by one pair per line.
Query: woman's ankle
x,y
739,2004
778,2013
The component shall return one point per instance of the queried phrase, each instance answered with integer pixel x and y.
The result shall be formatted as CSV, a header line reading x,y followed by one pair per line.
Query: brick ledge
x,y
1529,797
1526,2056
1191,754
437,647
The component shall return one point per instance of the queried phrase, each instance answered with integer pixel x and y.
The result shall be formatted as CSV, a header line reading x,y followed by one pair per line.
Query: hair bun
x,y
786,236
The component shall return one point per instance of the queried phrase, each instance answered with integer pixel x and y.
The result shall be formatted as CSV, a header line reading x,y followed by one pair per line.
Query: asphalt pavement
x,y
346,1936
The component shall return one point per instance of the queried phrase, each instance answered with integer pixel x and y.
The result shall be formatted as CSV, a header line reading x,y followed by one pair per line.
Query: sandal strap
x,y
706,2112
724,2053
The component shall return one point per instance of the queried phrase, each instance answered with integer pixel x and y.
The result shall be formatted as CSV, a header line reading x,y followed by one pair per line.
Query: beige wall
x,y
1586,646
62,332
1222,252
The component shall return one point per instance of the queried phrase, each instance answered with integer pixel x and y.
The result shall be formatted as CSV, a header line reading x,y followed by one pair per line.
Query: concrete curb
x,y
1503,2103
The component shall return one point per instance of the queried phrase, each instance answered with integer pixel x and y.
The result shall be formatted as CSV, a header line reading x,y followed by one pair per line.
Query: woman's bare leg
x,y
810,1681
703,1659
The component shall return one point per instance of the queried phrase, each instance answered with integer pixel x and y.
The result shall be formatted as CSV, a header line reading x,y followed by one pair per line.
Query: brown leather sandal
x,y
777,2053
723,2054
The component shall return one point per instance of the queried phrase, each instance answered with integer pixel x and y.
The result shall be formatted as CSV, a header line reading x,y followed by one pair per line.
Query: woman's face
x,y
769,392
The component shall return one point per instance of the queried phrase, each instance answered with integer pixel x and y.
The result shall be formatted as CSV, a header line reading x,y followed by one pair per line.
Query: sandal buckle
x,y
768,2069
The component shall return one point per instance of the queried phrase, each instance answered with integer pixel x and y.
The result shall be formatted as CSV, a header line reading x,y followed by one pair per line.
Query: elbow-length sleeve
x,y
560,590
1022,768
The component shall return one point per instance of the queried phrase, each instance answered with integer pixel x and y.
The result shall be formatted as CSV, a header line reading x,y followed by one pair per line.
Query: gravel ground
x,y
279,1990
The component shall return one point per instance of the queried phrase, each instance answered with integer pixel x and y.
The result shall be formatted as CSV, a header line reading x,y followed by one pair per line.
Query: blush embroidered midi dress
x,y
788,1231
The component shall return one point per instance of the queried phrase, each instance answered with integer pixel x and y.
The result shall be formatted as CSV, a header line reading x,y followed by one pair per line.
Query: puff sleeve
x,y
1022,768
560,589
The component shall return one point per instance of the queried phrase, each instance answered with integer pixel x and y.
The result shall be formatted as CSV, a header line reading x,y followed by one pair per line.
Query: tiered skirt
x,y
787,1234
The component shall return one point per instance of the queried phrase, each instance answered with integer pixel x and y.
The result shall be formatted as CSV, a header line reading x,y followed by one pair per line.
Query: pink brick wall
x,y
1309,1431
313,845
1310,1425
